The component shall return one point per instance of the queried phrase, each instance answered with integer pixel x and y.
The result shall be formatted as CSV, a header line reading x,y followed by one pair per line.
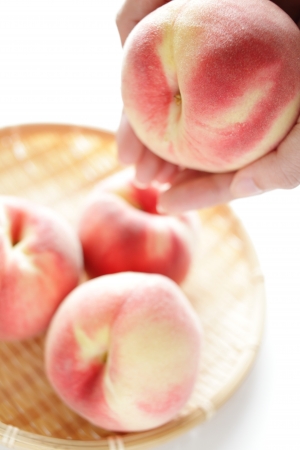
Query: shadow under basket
x,y
57,166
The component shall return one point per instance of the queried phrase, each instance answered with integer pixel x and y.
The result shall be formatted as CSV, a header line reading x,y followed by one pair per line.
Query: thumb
x,y
279,169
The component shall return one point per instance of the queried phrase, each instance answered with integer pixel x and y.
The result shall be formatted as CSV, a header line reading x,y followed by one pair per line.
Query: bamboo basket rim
x,y
13,437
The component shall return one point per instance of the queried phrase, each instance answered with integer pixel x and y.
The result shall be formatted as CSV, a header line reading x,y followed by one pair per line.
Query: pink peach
x,y
212,84
120,230
123,351
40,263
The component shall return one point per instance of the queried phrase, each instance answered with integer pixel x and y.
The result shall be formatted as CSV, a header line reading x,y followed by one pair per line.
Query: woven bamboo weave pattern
x,y
57,165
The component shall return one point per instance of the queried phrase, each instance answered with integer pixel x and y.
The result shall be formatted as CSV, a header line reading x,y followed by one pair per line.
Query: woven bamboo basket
x,y
57,165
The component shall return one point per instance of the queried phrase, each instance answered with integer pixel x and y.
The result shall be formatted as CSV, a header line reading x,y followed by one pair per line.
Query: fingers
x,y
187,175
132,12
279,169
147,168
130,148
167,173
151,167
196,192
132,151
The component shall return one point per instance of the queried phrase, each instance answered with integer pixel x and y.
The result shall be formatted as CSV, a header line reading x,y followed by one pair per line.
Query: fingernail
x,y
245,187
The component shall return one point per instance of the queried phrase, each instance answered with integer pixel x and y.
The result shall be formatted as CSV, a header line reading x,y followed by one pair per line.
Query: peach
x,y
123,350
120,230
212,84
40,263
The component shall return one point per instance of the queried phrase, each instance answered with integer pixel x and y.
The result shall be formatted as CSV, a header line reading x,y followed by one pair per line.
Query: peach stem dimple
x,y
16,233
93,349
178,99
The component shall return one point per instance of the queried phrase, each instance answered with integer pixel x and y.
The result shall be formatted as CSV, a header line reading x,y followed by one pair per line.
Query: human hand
x,y
191,189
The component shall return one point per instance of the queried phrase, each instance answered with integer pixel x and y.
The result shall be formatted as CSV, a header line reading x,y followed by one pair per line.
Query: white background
x,y
60,62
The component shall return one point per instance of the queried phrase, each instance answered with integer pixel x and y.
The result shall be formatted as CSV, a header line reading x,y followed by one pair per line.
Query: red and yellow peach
x,y
123,351
40,263
212,84
120,230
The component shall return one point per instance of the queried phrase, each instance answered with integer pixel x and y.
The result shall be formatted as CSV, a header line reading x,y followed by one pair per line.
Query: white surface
x,y
60,62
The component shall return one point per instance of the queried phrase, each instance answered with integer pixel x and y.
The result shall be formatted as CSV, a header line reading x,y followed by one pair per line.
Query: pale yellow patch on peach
x,y
151,355
158,241
242,109
20,254
95,347
166,54
279,128
125,195
118,184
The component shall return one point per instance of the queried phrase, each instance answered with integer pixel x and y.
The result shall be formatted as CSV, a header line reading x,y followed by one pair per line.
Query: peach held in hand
x,y
120,230
40,263
212,84
123,351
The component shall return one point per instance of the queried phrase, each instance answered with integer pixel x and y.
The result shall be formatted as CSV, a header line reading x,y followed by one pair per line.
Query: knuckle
x,y
290,176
